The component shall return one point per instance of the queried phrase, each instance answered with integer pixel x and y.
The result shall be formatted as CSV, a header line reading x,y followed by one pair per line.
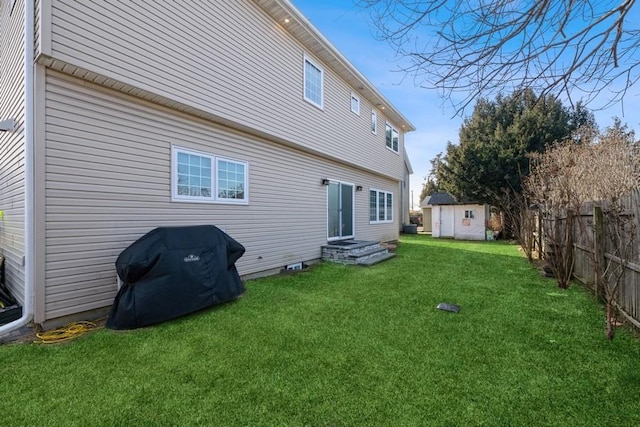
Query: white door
x,y
446,221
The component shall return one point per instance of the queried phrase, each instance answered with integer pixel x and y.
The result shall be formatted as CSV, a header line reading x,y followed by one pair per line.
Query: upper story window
x,y
374,122
392,138
202,177
380,206
468,214
355,103
313,83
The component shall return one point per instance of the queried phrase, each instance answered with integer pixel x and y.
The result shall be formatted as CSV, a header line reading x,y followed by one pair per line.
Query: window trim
x,y
388,212
213,199
356,98
313,63
374,122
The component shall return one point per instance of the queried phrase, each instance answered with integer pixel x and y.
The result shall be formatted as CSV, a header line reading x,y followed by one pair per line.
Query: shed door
x,y
446,221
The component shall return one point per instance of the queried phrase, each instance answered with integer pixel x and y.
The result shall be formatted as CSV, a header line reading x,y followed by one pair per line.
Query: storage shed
x,y
452,219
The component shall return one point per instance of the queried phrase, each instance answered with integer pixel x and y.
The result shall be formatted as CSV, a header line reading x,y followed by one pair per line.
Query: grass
x,y
348,346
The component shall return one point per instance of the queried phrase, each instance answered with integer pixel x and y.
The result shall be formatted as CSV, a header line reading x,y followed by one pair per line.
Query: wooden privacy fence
x,y
597,255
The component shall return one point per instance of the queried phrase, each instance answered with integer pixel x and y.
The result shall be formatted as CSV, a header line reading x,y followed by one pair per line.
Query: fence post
x,y
569,242
598,250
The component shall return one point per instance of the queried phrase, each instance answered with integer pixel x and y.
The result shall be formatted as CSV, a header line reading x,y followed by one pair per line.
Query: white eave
x,y
302,30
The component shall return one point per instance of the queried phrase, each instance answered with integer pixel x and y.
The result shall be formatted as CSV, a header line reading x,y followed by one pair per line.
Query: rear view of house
x,y
122,117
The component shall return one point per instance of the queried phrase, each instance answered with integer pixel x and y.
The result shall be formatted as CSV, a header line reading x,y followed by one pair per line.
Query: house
x,y
121,117
445,217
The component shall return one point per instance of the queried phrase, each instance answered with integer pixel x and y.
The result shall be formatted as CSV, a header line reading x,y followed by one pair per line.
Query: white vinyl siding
x,y
108,182
313,83
12,145
252,81
380,206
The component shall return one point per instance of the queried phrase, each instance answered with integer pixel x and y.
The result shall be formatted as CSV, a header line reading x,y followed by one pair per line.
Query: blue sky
x,y
350,30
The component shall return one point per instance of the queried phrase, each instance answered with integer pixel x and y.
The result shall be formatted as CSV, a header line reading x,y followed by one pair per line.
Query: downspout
x,y
27,307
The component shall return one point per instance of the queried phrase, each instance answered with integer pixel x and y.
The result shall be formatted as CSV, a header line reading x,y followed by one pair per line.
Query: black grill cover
x,y
173,271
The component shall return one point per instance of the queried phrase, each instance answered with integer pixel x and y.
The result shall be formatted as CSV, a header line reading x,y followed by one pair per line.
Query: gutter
x,y
29,272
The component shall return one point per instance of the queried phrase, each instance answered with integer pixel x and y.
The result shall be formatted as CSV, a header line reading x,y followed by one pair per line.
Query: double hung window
x,y
392,138
313,83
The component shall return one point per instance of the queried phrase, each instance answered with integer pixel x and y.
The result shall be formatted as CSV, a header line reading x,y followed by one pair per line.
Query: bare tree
x,y
602,169
553,186
468,49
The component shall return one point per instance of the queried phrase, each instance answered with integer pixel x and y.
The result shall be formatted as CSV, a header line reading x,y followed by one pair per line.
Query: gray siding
x,y
12,106
107,182
227,58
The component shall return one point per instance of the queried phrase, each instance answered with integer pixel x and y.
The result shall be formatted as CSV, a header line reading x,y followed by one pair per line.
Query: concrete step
x,y
376,259
368,252
358,252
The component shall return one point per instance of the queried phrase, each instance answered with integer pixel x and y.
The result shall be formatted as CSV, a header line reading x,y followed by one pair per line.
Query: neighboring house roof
x,y
300,28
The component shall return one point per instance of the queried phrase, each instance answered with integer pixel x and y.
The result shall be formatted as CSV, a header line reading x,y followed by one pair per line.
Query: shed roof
x,y
439,199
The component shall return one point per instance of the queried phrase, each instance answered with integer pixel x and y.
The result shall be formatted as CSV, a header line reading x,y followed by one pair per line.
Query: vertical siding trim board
x,y
39,207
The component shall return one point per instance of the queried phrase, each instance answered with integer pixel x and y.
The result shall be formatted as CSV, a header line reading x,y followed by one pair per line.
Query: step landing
x,y
355,252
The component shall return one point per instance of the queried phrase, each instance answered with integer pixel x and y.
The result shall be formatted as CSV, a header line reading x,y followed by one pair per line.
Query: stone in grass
x,y
448,307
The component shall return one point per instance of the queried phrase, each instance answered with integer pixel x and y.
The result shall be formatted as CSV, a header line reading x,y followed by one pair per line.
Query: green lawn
x,y
343,346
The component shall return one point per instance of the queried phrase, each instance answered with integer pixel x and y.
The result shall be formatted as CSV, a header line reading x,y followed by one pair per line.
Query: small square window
x,y
355,103
468,214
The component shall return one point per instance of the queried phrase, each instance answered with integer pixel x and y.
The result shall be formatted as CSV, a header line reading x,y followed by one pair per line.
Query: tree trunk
x,y
611,326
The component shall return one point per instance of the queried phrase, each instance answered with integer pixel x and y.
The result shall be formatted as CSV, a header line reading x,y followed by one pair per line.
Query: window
x,y
313,83
468,214
231,182
380,206
392,138
374,122
355,103
202,177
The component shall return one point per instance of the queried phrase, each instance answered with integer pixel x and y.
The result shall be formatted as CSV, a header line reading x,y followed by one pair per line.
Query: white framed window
x,y
313,83
380,206
374,122
355,103
392,138
205,178
469,214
